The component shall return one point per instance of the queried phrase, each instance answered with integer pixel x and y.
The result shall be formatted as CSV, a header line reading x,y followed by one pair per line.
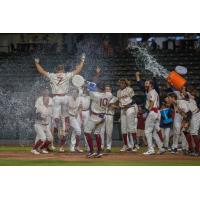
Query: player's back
x,y
100,101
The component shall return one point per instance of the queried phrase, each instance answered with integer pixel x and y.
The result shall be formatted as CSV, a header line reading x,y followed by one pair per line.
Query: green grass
x,y
14,162
92,162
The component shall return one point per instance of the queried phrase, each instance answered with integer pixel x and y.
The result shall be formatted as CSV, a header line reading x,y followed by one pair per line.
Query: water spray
x,y
151,64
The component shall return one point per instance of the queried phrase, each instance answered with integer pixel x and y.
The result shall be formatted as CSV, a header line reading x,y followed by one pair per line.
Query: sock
x,y
56,120
98,141
134,138
38,144
62,141
46,144
196,141
125,139
160,135
77,140
89,141
189,140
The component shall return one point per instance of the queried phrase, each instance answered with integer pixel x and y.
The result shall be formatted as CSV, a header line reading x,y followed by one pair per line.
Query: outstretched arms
x,y
79,67
39,68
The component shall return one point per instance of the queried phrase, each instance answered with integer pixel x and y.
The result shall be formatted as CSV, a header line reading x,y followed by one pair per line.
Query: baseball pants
x,y
151,127
42,132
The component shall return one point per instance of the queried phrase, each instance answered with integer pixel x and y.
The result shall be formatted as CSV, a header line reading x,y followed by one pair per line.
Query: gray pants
x,y
152,125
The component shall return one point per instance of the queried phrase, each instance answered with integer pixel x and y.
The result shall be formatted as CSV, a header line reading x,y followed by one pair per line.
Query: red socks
x,y
125,138
89,141
98,141
46,144
160,135
77,140
38,144
189,140
196,141
62,141
134,135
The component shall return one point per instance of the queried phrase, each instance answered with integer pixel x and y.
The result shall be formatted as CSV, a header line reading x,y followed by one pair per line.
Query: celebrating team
x,y
90,110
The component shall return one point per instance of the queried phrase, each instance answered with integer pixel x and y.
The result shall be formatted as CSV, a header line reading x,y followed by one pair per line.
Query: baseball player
x,y
74,103
84,112
39,101
107,126
191,130
99,104
181,118
43,118
59,82
152,122
129,112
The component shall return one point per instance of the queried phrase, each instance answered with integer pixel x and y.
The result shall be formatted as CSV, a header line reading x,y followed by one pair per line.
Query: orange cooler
x,y
175,80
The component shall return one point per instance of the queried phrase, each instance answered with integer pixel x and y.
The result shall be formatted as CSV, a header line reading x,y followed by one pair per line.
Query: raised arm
x,y
97,74
79,67
39,68
139,82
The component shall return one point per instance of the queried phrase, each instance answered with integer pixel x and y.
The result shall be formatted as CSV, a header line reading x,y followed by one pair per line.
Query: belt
x,y
61,95
154,110
85,110
45,124
110,114
97,113
128,106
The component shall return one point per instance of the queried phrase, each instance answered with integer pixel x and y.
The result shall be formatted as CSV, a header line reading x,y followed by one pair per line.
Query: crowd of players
x,y
167,119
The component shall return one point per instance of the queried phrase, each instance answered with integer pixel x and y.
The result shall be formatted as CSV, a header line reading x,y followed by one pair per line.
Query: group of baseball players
x,y
88,109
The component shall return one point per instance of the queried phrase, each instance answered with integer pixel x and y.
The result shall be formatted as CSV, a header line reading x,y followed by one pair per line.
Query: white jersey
x,y
60,82
182,105
100,101
152,96
39,101
125,96
193,106
73,105
85,102
46,113
111,111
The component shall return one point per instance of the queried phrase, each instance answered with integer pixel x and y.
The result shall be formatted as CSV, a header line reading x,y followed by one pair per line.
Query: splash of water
x,y
143,57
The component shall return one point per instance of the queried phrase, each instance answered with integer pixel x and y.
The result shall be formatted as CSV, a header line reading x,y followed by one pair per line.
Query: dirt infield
x,y
112,157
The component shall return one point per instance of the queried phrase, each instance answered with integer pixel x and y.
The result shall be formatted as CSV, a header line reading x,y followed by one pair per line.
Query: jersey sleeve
x,y
50,75
152,97
93,96
69,75
130,92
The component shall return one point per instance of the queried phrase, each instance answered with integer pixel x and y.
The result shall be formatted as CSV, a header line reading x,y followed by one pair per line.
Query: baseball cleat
x,y
98,155
72,150
194,154
134,149
161,151
174,151
108,150
44,151
91,155
53,148
78,149
35,152
150,152
137,146
125,148
61,149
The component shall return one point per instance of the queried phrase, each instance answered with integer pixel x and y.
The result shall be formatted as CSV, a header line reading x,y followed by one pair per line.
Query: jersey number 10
x,y
104,102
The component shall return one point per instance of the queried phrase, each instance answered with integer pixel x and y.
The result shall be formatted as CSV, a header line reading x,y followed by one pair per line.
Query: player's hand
x,y
37,60
98,70
83,55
